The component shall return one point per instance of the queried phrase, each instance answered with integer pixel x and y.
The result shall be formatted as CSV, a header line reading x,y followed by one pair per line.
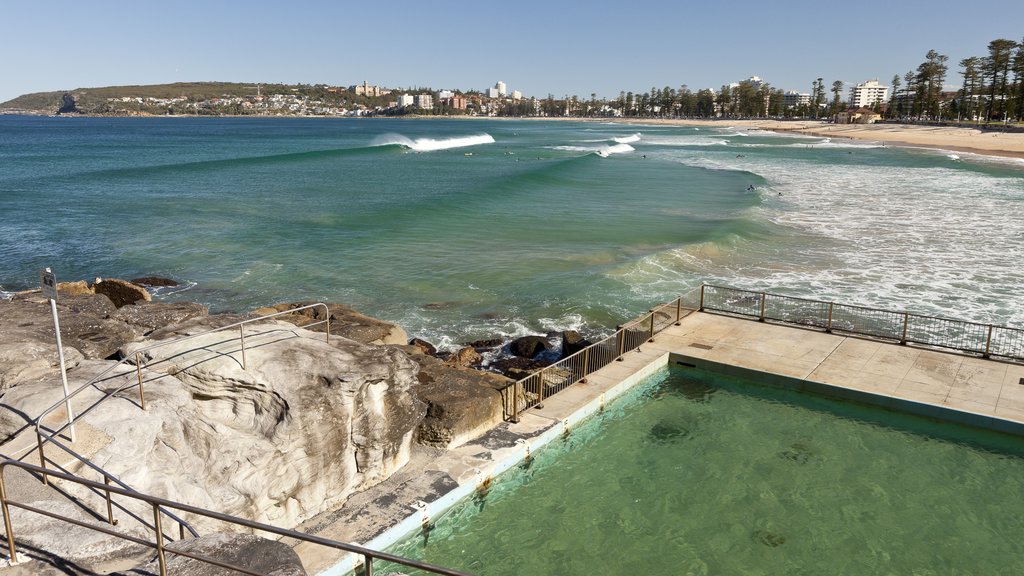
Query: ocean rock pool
x,y
696,473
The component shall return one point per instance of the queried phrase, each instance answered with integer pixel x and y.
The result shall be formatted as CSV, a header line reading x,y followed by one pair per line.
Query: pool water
x,y
695,473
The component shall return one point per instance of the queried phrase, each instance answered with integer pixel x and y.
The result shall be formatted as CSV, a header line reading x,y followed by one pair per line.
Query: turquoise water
x,y
465,229
693,473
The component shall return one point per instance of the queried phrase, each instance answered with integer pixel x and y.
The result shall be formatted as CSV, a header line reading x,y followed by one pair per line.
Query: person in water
x,y
750,188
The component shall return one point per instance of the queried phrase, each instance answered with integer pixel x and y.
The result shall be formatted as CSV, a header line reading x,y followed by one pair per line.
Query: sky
x,y
537,47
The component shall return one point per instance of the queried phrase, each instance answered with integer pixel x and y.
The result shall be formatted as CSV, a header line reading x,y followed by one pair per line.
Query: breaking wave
x,y
431,144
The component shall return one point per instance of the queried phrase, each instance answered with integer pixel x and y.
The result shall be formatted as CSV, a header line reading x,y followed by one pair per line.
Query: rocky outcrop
x,y
573,342
529,346
462,403
344,322
121,292
466,357
149,316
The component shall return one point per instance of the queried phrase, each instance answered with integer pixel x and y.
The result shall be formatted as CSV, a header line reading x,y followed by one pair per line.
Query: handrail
x,y
42,438
905,327
530,391
159,504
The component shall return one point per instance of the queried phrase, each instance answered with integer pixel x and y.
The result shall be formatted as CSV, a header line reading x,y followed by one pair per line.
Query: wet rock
x,y
121,292
485,344
154,281
768,538
529,346
573,342
426,347
517,368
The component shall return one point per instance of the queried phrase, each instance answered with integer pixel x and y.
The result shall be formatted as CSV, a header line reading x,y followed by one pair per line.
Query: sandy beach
x,y
1008,144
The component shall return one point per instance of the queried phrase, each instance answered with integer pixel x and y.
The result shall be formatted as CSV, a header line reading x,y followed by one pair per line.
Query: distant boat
x,y
468,154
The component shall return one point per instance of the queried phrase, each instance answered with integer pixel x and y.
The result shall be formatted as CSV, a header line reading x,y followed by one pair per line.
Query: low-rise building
x,y
794,99
857,116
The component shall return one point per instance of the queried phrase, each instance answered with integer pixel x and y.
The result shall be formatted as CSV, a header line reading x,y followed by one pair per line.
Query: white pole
x,y
60,355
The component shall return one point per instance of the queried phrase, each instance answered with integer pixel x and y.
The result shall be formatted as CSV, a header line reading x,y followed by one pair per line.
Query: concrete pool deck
x,y
944,385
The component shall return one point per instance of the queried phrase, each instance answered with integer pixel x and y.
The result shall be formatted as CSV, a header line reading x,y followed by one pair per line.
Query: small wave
x,y
431,144
952,157
627,139
602,151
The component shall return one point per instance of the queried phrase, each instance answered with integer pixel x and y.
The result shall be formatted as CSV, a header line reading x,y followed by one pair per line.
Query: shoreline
x,y
951,138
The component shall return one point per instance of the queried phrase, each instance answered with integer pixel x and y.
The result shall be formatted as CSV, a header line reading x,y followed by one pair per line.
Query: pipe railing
x,y
986,340
44,437
158,543
530,392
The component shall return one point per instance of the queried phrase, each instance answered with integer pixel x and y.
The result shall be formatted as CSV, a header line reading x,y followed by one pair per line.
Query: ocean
x,y
465,229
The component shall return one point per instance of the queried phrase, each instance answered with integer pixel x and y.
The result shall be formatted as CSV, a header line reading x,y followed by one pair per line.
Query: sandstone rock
x,y
529,346
344,322
120,292
426,347
148,316
465,357
246,551
462,403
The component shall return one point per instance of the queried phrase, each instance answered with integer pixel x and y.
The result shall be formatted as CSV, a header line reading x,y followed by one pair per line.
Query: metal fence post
x,y
540,387
586,364
651,339
828,325
515,402
42,456
7,519
701,307
620,343
988,342
159,540
241,336
110,507
138,371
906,320
760,317
679,310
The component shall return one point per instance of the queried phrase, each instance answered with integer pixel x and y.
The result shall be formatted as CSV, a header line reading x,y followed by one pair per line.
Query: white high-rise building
x,y
867,94
405,100
502,89
794,99
425,101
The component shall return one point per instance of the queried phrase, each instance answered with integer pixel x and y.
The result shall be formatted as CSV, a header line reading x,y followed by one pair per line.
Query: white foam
x,y
431,144
602,151
627,139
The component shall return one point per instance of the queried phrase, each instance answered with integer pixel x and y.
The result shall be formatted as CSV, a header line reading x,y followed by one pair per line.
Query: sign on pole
x,y
48,282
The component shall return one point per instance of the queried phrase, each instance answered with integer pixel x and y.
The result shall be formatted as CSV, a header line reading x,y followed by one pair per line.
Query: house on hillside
x,y
857,116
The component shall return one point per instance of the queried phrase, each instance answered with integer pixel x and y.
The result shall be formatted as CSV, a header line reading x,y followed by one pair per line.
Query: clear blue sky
x,y
537,47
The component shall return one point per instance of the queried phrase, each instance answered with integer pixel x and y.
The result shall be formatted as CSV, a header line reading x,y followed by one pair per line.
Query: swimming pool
x,y
695,473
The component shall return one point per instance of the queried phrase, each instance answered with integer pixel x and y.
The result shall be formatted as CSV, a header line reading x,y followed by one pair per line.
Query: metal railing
x,y
531,391
904,327
158,542
44,437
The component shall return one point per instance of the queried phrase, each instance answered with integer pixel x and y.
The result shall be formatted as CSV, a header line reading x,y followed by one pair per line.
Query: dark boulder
x,y
121,292
467,356
517,368
154,281
573,342
529,346
426,347
485,344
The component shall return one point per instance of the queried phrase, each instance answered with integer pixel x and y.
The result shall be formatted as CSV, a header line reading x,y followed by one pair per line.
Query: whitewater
x,y
459,230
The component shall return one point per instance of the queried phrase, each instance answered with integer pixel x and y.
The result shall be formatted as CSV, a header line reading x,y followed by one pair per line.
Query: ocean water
x,y
697,474
466,229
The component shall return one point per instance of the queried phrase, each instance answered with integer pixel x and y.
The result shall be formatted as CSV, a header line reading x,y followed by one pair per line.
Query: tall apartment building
x,y
794,99
502,89
425,101
405,100
867,94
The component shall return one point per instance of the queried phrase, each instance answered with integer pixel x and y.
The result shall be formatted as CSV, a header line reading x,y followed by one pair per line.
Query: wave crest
x,y
431,144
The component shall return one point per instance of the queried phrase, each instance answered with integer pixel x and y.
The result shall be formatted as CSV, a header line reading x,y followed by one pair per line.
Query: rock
x,y
246,551
573,342
426,347
486,344
344,322
153,281
517,368
529,346
149,316
32,361
120,292
77,288
462,403
465,357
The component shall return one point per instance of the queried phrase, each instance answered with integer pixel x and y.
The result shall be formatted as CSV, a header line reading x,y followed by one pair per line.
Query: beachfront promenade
x,y
945,385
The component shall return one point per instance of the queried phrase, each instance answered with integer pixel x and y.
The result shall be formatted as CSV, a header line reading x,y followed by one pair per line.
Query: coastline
x,y
955,139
